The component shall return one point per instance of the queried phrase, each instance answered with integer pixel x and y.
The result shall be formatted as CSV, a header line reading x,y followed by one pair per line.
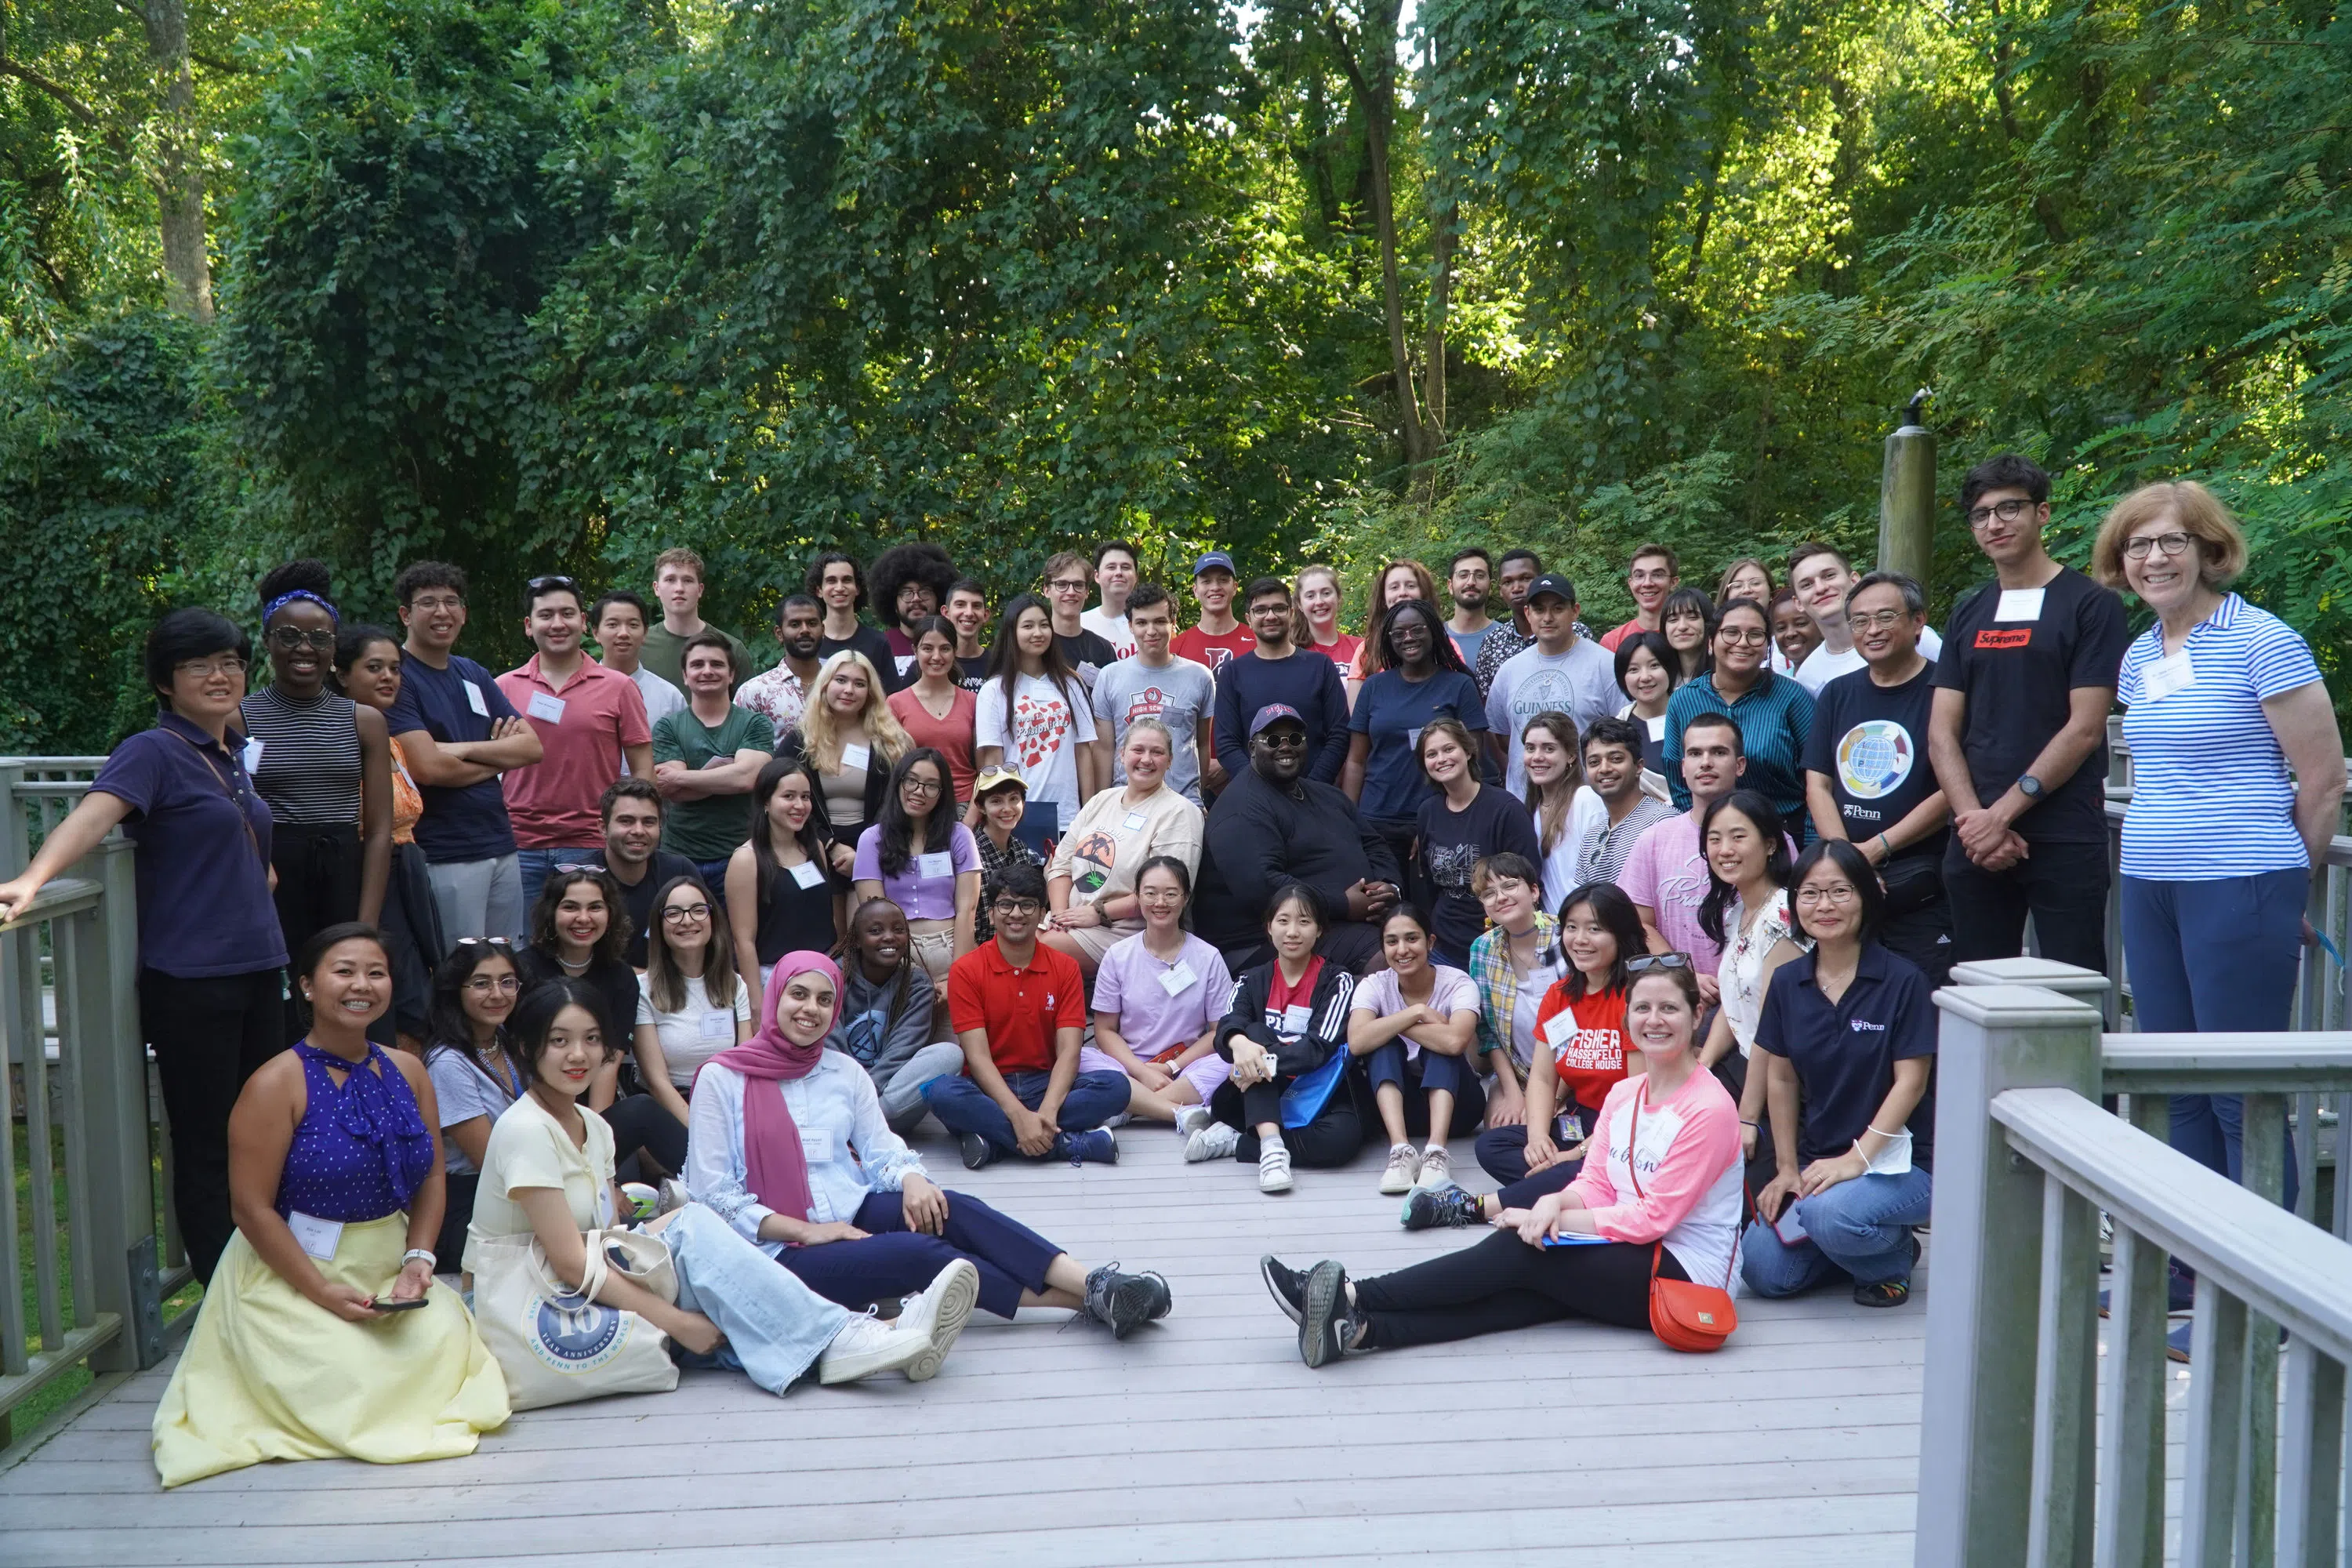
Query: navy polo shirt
x,y
1845,1051
470,823
204,908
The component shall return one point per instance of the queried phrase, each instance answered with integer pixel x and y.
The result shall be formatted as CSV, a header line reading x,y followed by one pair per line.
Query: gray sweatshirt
x,y
868,1035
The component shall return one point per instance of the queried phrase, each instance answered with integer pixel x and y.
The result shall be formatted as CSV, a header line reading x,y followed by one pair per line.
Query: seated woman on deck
x,y
310,1341
790,1148
1415,1021
1660,1190
1157,996
474,993
546,1176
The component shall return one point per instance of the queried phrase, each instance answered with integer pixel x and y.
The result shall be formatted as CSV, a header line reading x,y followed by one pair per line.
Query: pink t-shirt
x,y
951,735
581,728
1668,874
1450,992
1672,1174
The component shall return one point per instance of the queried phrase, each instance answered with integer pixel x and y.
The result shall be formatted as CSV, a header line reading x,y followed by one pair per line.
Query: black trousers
x,y
1501,1283
317,867
449,1251
1335,1137
639,1123
209,1036
2062,886
412,933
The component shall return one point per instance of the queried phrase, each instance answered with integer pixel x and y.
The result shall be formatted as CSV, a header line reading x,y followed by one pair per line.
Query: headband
x,y
285,599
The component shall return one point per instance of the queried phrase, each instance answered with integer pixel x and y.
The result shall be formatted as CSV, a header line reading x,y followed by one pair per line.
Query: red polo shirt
x,y
581,728
1020,1009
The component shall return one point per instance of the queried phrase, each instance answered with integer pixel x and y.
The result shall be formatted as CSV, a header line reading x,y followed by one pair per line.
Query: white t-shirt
x,y
1112,629
529,1148
1039,737
1581,683
1586,812
1821,665
1450,992
696,1032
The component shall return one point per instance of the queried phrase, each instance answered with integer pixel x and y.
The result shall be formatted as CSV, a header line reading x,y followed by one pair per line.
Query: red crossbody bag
x,y
1684,1316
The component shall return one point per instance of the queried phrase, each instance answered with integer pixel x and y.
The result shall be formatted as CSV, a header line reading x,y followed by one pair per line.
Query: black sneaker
x,y
1286,1284
977,1151
1884,1293
1324,1325
1432,1208
1125,1302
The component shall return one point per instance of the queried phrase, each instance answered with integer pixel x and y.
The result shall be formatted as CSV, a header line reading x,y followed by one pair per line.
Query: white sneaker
x,y
1436,1169
1273,1168
864,1346
1404,1165
1215,1141
938,1312
1191,1119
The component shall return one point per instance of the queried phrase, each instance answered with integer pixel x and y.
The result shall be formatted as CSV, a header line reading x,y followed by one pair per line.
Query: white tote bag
x,y
556,1345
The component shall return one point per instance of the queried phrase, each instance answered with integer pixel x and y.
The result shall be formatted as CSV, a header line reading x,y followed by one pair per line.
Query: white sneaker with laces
x,y
1215,1141
1191,1119
1436,1168
938,1313
864,1346
1404,1166
1273,1168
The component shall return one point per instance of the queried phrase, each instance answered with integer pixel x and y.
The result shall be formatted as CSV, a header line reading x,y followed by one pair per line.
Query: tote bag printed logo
x,y
572,1334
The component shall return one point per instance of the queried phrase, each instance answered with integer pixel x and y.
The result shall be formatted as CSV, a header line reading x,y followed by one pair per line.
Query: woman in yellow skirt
x,y
323,1333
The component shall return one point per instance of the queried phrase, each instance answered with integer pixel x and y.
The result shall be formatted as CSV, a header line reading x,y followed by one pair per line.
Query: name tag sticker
x,y
2167,675
719,1026
856,757
1412,737
906,662
2019,604
543,706
1178,981
252,755
808,874
816,1145
1558,1027
316,1237
939,863
1296,1017
474,698
1134,821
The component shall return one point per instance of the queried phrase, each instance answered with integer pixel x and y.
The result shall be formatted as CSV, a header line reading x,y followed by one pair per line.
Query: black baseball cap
x,y
1552,583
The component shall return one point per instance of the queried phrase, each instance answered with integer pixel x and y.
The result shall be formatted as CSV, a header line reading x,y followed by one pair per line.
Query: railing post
x,y
1976,1441
98,972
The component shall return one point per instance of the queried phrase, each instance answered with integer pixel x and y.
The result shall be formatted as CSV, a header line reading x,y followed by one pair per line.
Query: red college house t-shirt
x,y
1587,1039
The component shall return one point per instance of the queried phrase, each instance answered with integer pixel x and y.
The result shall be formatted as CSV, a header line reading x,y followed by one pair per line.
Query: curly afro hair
x,y
904,563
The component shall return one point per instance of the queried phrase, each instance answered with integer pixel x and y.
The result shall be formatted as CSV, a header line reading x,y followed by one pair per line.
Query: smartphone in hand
x,y
386,1304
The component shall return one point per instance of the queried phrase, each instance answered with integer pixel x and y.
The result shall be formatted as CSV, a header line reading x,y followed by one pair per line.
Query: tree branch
x,y
64,95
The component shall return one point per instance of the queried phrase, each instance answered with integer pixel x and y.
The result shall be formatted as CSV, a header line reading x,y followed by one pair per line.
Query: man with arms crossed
x,y
457,732
2019,734
706,761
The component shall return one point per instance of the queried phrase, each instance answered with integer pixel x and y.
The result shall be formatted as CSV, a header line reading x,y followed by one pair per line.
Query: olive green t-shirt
x,y
711,829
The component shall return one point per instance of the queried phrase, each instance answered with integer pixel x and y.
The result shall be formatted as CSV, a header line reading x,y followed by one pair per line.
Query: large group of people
x,y
647,948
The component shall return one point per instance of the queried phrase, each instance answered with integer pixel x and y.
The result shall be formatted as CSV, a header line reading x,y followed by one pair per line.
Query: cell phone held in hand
x,y
386,1304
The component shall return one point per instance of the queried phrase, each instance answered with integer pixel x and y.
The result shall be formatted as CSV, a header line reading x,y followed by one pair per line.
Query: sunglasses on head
x,y
1660,960
483,941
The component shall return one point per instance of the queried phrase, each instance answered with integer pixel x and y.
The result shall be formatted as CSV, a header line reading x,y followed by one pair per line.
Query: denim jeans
x,y
478,898
533,866
962,1106
1860,1228
775,1326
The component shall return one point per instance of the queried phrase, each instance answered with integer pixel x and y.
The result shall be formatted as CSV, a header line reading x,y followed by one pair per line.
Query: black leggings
x,y
639,1122
1335,1137
1502,1283
317,867
209,1036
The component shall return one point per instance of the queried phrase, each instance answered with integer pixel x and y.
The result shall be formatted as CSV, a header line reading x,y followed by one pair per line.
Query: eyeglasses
x,y
2007,510
1838,893
1018,906
203,668
913,785
484,985
1069,584
1657,960
1882,621
2163,543
678,914
291,637
1756,639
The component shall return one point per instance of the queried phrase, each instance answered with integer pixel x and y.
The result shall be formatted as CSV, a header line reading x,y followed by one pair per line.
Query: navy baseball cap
x,y
1274,713
1552,583
1215,558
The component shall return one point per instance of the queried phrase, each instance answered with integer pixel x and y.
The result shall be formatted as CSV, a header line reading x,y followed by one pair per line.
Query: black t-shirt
x,y
616,985
2017,656
971,673
639,901
874,645
1871,743
1451,845
1085,648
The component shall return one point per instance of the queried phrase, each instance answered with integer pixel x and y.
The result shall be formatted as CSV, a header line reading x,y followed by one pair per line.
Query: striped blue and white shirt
x,y
2210,797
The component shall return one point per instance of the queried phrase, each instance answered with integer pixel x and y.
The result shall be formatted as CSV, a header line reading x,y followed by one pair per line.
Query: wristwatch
x,y
2030,788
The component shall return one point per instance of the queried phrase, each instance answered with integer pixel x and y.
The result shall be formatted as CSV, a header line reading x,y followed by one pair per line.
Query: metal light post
x,y
1907,496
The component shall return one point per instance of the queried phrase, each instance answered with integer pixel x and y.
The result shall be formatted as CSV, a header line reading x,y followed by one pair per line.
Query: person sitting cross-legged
x,y
1158,997
1660,1195
1416,1021
790,1148
1019,1009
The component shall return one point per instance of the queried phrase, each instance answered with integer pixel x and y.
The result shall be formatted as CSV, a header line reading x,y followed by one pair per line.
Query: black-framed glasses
x,y
678,914
2164,544
2007,510
1069,584
291,637
911,785
1658,961
220,664
1018,907
1757,638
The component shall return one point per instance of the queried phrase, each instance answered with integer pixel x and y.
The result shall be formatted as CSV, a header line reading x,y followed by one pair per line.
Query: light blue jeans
x,y
775,1326
1860,1228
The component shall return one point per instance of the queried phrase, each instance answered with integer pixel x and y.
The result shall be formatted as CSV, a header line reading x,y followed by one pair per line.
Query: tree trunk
x,y
179,173
1376,95
1442,227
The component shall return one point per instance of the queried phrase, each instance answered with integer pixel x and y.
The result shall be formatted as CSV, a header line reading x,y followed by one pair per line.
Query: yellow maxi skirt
x,y
269,1374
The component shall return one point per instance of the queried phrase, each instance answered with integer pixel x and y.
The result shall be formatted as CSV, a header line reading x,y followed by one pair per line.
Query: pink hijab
x,y
774,1161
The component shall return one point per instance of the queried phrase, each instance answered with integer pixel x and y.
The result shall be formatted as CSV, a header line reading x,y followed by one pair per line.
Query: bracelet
x,y
1758,1125
1883,844
413,1253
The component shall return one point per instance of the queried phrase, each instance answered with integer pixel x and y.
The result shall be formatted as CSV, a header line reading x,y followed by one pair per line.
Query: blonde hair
x,y
821,733
1302,630
2220,544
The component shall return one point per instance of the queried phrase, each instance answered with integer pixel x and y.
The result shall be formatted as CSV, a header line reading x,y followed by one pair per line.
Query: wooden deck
x,y
1042,1443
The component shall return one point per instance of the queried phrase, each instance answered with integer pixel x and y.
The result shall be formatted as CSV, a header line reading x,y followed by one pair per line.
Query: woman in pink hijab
x,y
789,1146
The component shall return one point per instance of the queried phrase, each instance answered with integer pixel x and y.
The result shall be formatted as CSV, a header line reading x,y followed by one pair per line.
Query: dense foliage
x,y
530,284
